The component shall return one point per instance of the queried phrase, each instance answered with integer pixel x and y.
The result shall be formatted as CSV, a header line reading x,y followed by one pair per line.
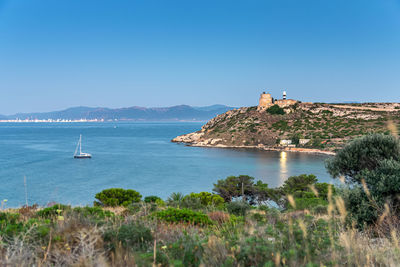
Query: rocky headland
x,y
302,127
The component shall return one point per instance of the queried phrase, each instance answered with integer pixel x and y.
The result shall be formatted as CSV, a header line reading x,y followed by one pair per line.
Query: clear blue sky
x,y
58,54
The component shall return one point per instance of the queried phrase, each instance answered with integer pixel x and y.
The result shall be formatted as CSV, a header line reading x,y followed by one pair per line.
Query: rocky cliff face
x,y
327,126
239,127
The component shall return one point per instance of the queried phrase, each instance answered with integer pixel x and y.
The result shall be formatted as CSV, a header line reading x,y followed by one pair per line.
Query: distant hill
x,y
174,113
211,108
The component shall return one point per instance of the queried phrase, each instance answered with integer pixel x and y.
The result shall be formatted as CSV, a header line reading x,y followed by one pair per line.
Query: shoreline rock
x,y
212,144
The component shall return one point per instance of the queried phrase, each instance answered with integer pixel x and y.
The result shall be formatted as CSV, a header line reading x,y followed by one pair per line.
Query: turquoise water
x,y
128,155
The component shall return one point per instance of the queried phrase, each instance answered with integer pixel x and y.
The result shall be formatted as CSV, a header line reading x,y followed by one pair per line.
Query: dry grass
x,y
80,242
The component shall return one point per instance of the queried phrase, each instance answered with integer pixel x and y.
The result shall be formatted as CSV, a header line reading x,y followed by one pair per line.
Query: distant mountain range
x,y
174,113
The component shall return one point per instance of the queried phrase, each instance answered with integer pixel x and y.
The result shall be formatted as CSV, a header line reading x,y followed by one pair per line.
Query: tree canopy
x,y
364,153
371,166
117,197
259,192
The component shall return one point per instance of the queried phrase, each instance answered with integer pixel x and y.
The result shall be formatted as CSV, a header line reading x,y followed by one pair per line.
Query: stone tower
x,y
265,101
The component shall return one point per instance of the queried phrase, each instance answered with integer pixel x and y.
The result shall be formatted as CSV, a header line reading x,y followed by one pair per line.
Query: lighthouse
x,y
284,95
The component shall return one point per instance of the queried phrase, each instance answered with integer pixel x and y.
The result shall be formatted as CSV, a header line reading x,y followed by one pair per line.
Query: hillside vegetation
x,y
327,126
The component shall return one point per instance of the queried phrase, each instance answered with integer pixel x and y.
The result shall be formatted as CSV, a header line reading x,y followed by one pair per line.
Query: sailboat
x,y
81,155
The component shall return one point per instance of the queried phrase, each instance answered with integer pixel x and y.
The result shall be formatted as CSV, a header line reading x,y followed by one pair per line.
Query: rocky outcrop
x,y
188,138
328,127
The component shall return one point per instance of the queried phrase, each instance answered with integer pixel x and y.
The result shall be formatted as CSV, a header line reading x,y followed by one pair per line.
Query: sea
x,y
37,164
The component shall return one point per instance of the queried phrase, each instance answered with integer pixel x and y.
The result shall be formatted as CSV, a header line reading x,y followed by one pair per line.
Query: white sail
x,y
78,145
80,155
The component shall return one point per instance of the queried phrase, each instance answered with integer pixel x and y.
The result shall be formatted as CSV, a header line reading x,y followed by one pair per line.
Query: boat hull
x,y
82,157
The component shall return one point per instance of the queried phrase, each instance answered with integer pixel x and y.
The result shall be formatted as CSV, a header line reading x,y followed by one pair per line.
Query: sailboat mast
x,y
80,144
76,149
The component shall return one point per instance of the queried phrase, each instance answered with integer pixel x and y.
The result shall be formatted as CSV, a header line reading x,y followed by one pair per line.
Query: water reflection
x,y
283,167
271,167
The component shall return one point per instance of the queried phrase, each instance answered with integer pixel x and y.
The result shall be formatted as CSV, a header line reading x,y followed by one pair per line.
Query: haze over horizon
x,y
60,54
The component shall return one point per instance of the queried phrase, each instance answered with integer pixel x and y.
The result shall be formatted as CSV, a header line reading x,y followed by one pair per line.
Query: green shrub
x,y
300,188
255,251
6,217
363,153
206,198
323,189
10,224
133,208
132,235
151,199
290,241
187,251
191,203
373,160
309,203
276,110
320,209
297,185
174,215
117,197
239,208
359,207
96,212
175,199
383,185
52,211
281,125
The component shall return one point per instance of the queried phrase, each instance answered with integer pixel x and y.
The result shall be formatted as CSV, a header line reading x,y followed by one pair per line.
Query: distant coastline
x,y
51,120
94,120
90,114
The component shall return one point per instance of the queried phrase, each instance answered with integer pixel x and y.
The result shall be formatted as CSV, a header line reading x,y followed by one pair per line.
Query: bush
x,y
134,208
94,212
191,203
359,207
206,198
276,110
320,209
151,199
174,215
52,211
323,189
375,161
309,203
383,185
187,251
300,188
175,199
132,235
281,125
363,153
10,224
297,185
239,208
117,197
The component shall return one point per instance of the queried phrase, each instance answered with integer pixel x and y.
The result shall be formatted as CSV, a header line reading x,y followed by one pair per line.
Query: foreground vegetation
x,y
243,223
